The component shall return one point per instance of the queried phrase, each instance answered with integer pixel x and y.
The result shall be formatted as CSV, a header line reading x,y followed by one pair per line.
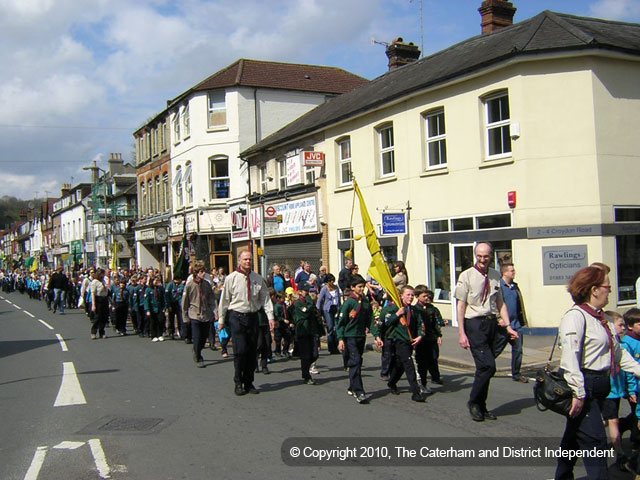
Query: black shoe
x,y
266,371
239,390
188,341
476,412
200,364
489,415
309,381
361,398
621,459
438,381
418,397
251,389
195,357
520,379
393,389
213,347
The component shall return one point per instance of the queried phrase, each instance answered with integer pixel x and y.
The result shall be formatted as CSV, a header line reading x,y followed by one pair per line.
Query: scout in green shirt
x,y
306,318
355,318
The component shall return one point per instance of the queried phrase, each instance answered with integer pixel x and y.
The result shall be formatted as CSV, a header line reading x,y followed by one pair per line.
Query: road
x,y
127,408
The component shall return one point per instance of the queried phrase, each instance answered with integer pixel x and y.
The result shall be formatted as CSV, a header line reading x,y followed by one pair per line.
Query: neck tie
x,y
248,278
485,289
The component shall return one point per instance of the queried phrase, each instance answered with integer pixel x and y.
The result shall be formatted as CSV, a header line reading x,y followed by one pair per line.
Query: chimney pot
x,y
496,14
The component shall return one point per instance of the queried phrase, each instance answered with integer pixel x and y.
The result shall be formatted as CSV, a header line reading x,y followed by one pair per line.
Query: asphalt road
x,y
141,410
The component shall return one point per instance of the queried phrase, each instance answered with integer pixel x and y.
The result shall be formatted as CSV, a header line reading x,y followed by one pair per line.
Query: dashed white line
x,y
46,324
99,458
30,314
36,464
63,344
70,392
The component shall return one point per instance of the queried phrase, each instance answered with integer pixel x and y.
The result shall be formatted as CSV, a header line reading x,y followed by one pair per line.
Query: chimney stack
x,y
66,188
496,14
401,53
116,163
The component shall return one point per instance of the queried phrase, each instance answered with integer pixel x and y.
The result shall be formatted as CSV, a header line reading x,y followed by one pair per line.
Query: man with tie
x,y
244,294
481,310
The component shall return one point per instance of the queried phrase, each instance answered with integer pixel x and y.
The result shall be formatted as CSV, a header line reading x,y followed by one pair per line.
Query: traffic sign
x,y
270,212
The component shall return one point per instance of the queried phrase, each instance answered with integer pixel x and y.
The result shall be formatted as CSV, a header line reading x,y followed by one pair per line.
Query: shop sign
x,y
239,225
142,235
298,216
559,264
215,221
178,222
394,224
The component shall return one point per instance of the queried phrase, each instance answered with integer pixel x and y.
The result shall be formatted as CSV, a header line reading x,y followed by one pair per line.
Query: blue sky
x,y
82,76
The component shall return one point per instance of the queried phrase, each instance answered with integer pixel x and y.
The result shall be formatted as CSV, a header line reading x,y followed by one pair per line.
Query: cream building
x,y
527,137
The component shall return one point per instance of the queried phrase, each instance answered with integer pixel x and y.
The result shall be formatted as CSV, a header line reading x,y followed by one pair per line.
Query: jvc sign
x,y
312,159
394,224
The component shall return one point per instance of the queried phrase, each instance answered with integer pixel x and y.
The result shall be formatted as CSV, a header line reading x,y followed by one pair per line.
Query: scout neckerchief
x,y
600,316
155,292
247,276
358,308
633,335
485,289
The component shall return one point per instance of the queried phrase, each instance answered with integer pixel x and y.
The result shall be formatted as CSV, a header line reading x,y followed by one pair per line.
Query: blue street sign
x,y
393,223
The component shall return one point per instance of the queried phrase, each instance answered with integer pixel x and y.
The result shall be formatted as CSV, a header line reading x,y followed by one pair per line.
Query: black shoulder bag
x,y
551,391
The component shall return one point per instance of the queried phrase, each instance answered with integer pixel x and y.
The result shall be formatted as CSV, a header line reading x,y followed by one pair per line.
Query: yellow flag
x,y
114,256
34,267
379,270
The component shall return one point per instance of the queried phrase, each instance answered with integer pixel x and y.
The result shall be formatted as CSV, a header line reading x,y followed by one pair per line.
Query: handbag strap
x,y
555,341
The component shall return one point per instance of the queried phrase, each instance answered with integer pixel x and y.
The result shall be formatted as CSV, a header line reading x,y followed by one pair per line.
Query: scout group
x,y
260,318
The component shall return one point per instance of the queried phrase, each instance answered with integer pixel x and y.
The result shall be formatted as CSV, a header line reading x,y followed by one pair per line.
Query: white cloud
x,y
615,9
27,186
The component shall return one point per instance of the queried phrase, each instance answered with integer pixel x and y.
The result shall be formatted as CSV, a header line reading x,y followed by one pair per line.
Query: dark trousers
x,y
100,316
121,317
308,349
264,345
500,342
134,319
282,337
186,331
144,322
156,324
401,362
480,333
332,337
427,353
173,320
586,431
200,331
354,348
385,358
244,332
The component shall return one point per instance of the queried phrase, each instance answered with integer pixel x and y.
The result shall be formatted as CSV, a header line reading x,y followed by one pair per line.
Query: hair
x,y
505,266
329,278
198,265
405,288
613,315
420,289
272,292
583,281
475,249
403,269
357,280
346,292
632,316
601,266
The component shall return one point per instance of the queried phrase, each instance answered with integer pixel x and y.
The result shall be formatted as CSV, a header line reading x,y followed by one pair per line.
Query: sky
x,y
81,76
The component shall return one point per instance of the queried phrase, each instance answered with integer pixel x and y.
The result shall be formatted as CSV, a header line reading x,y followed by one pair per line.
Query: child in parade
x,y
428,350
306,320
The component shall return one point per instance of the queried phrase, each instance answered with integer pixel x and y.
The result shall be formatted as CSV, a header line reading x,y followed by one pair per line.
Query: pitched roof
x,y
546,32
286,76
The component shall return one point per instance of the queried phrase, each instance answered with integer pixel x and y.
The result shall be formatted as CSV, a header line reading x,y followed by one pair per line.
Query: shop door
x,y
221,260
462,259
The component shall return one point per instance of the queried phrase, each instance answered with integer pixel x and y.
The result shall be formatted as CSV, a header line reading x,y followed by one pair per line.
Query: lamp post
x,y
95,180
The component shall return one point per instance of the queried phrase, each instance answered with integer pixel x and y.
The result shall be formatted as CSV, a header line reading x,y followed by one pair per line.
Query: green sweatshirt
x,y
394,330
349,326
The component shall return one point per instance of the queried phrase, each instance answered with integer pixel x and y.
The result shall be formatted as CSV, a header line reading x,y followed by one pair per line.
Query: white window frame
x,y
176,127
177,185
281,166
500,124
166,190
151,195
186,121
187,179
216,108
388,150
344,161
143,199
212,179
263,178
440,138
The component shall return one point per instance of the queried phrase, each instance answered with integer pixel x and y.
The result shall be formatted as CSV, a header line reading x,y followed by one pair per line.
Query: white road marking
x,y
63,344
36,464
30,314
70,392
99,458
46,324
68,445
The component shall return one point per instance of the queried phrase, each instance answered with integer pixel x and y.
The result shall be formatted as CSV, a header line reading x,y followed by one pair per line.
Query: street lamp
x,y
95,179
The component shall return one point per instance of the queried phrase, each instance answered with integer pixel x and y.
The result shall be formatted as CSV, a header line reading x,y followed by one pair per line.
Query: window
x,y
186,121
346,234
502,220
627,255
439,273
187,179
436,226
143,200
159,199
465,223
264,179
344,149
176,127
309,175
498,125
163,130
387,158
177,185
436,141
282,173
152,198
166,192
217,109
219,177
154,142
